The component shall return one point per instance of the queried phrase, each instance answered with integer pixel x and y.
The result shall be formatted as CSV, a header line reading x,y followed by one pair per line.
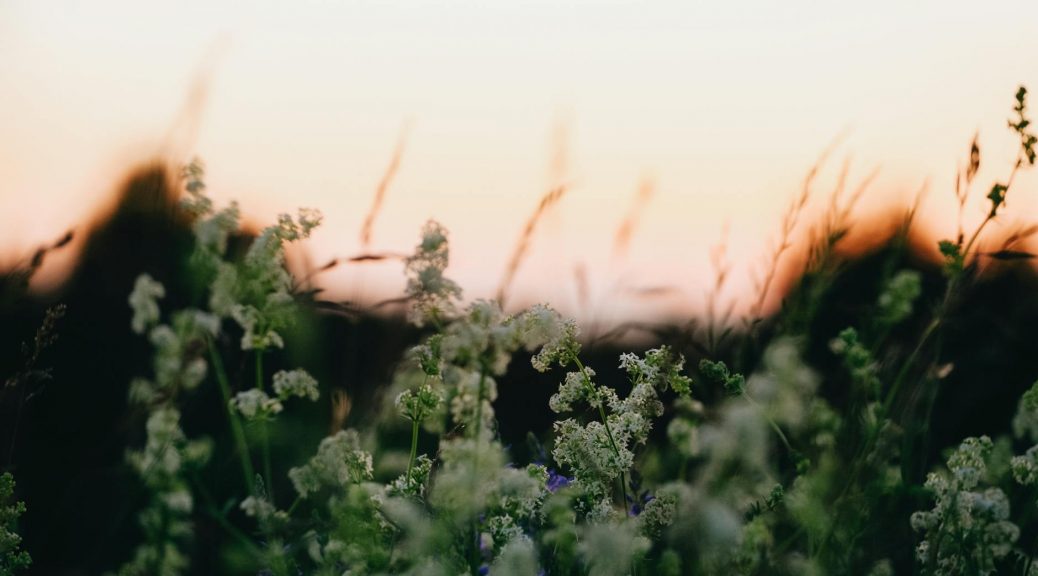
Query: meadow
x,y
192,407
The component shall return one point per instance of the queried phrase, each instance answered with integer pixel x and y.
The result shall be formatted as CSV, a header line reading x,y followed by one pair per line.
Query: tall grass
x,y
803,443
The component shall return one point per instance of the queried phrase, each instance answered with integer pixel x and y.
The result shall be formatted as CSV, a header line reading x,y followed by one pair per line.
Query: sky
x,y
712,111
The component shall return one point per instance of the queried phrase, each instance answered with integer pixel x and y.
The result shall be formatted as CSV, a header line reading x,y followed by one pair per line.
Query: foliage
x,y
12,558
756,467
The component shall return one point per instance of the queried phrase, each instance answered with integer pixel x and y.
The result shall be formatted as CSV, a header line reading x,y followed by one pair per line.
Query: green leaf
x,y
997,197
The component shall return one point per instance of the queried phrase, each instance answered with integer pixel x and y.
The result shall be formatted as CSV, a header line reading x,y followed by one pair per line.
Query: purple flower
x,y
557,481
638,505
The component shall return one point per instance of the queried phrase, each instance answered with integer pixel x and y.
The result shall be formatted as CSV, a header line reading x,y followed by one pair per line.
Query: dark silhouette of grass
x,y
82,415
788,225
557,170
718,319
383,186
628,226
522,246
68,454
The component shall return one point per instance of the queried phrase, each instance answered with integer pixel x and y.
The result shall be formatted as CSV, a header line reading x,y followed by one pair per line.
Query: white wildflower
x,y
1025,468
573,389
589,451
142,391
259,508
295,383
432,294
467,476
971,523
254,403
144,302
339,462
213,232
561,345
1025,422
612,549
473,394
179,501
518,557
898,297
684,435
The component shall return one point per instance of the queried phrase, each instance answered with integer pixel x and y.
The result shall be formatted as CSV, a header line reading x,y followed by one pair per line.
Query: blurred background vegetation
x,y
67,358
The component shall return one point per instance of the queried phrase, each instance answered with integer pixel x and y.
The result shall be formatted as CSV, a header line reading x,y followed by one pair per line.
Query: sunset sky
x,y
721,106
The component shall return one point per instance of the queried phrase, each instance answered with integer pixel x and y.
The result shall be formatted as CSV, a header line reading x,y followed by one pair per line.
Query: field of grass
x,y
205,412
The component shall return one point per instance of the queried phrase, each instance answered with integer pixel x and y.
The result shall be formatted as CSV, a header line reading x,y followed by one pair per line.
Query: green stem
x,y
991,216
605,422
415,421
266,461
479,401
237,430
221,519
160,560
259,369
295,504
930,330
414,449
479,430
859,460
268,479
771,421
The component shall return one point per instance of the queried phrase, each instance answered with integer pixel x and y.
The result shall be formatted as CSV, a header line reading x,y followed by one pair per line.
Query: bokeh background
x,y
668,131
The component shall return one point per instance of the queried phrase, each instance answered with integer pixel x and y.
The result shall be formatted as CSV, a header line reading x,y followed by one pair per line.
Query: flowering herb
x,y
658,477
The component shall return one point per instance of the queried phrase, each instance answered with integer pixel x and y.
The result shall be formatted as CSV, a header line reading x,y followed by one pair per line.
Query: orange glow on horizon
x,y
723,107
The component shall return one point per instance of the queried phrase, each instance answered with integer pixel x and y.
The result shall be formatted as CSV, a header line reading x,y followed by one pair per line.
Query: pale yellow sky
x,y
724,105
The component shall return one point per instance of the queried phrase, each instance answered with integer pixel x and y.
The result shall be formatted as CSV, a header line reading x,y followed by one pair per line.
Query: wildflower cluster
x,y
255,290
718,373
858,360
1025,426
1025,467
167,456
432,295
178,362
479,512
460,363
752,472
416,404
339,461
144,302
898,298
1025,422
683,429
255,403
601,451
12,557
296,383
968,531
162,465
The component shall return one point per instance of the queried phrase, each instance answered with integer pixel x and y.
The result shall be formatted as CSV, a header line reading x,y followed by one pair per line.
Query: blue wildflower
x,y
557,481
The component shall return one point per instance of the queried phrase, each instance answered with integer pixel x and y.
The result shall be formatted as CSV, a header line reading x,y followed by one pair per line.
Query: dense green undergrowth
x,y
738,464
